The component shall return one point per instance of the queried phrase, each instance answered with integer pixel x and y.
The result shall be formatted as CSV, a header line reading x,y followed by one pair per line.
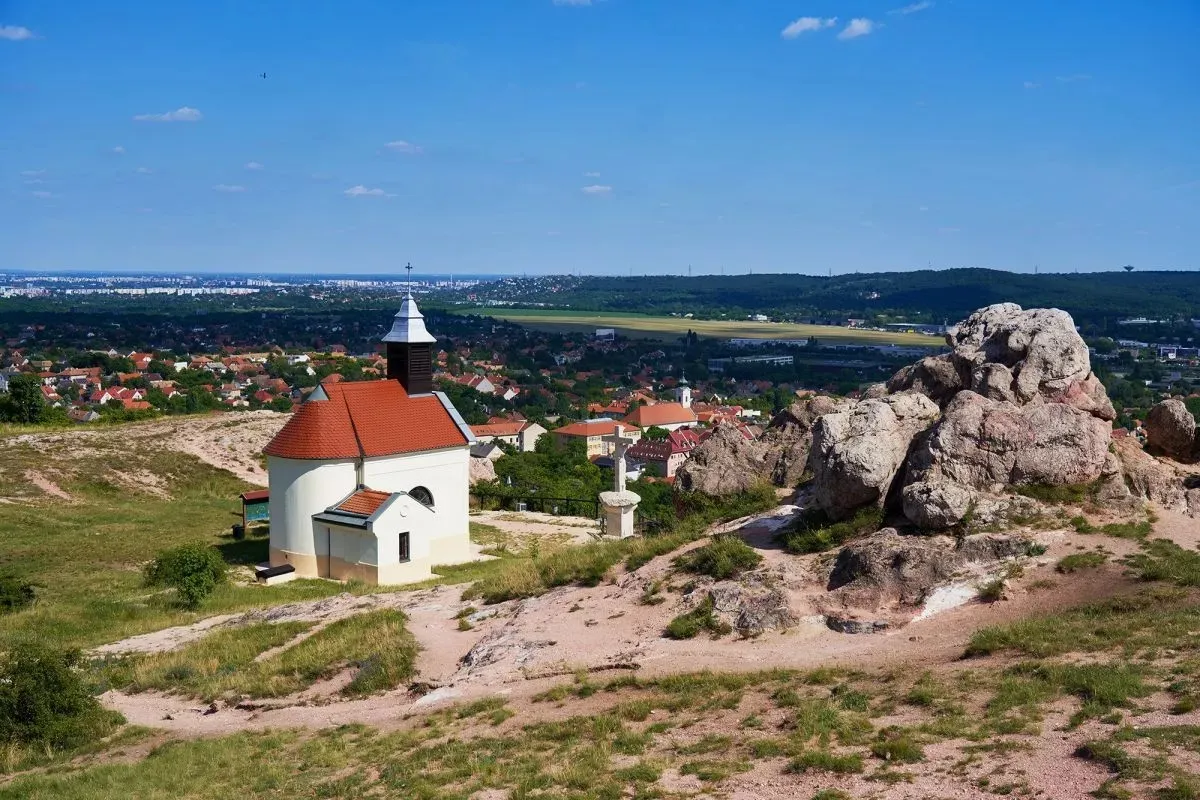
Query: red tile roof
x,y
363,419
592,427
364,501
661,414
498,429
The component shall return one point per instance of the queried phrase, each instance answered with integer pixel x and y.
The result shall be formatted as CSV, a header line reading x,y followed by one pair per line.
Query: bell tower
x,y
410,347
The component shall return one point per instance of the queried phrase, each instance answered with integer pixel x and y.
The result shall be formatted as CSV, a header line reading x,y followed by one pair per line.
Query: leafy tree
x,y
44,701
656,434
193,570
24,403
280,404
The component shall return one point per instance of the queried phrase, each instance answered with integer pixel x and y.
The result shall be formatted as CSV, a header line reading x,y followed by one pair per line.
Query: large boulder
x,y
1007,354
936,505
1171,430
789,436
725,463
857,453
887,571
1148,478
481,469
988,444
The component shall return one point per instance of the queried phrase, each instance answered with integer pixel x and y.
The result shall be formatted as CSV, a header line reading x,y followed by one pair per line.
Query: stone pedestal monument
x,y
620,503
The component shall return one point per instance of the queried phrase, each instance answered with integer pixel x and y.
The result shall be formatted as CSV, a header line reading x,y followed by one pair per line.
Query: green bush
x,y
44,702
722,558
193,570
15,594
825,761
814,532
700,618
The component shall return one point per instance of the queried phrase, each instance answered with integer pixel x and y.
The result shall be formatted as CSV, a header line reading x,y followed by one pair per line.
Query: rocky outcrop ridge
x,y
857,453
726,463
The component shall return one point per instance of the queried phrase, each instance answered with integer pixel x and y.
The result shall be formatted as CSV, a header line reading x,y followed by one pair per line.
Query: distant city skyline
x,y
599,137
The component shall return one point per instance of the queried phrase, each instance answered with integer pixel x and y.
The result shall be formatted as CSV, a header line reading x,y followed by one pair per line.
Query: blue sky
x,y
603,136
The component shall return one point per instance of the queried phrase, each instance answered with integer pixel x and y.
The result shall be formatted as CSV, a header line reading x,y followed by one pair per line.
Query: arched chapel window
x,y
421,495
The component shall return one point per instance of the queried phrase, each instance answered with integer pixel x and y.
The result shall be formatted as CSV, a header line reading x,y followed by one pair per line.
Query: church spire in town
x,y
410,346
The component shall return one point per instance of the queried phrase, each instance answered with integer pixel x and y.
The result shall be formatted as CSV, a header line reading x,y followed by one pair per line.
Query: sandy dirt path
x,y
519,648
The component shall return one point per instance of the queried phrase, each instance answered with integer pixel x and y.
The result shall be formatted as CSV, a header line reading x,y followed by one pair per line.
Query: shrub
x,y
193,570
44,702
1078,561
15,594
722,558
700,618
992,591
825,761
814,532
898,746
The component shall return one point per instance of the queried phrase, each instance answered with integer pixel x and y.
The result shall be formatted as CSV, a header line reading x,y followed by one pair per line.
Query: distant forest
x,y
923,296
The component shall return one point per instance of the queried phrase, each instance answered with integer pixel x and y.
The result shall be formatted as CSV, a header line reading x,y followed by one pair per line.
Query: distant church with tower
x,y
370,480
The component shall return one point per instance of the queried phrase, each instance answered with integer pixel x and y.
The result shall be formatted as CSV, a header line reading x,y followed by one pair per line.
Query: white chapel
x,y
369,479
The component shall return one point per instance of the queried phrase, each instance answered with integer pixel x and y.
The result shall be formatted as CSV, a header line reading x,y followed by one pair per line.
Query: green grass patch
x,y
700,619
723,558
1163,560
1080,561
1066,494
1153,618
825,761
375,644
814,532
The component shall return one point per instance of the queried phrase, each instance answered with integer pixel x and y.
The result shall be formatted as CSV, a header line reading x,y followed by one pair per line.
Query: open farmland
x,y
641,325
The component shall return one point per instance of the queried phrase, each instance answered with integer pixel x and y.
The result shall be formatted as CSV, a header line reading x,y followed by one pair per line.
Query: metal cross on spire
x,y
408,267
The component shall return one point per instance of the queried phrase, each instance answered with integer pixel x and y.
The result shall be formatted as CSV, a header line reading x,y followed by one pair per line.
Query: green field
x,y
640,325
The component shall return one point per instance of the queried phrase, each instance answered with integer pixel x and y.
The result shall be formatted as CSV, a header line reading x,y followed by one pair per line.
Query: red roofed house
x,y
369,479
663,458
592,432
521,434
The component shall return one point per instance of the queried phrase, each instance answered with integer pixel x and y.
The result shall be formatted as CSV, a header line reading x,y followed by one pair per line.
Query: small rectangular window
x,y
404,547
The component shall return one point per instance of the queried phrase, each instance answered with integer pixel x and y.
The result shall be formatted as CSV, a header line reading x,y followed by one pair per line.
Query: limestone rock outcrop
x,y
857,453
1147,478
1171,431
481,469
1020,405
725,463
890,571
789,436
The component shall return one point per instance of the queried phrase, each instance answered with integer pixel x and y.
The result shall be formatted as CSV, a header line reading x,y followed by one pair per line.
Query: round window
x,y
421,495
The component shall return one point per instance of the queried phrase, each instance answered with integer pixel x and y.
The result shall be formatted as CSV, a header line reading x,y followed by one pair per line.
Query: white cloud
x,y
1073,78
32,173
119,150
859,26
806,24
143,170
362,191
596,188
578,3
253,166
913,8
42,195
401,146
923,208
591,174
33,181
15,33
183,114
1031,84
229,188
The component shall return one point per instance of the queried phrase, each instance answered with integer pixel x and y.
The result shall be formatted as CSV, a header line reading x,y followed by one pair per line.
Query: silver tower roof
x,y
409,325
